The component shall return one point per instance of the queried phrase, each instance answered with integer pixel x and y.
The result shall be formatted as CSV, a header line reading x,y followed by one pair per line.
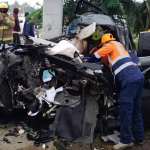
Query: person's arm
x,y
93,50
24,28
1,17
27,29
101,53
9,20
17,25
93,59
104,51
105,60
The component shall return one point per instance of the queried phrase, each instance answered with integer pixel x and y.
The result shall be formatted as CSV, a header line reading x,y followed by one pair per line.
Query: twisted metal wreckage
x,y
52,76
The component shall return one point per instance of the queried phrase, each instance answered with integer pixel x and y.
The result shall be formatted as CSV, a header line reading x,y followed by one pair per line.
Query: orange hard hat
x,y
107,37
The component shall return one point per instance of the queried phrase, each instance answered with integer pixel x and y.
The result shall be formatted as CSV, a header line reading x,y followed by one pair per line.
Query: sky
x,y
33,2
30,2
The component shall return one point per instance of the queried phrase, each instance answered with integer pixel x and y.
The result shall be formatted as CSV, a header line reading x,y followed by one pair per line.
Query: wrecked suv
x,y
50,78
86,14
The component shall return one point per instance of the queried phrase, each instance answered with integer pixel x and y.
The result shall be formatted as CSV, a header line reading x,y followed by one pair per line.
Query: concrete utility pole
x,y
52,18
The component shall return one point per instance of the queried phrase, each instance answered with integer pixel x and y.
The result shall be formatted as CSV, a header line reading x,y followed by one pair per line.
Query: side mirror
x,y
20,21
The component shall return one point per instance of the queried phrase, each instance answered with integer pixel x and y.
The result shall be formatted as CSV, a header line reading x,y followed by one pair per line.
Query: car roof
x,y
100,19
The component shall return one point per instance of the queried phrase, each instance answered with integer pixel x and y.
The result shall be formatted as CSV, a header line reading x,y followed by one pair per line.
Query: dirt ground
x,y
18,143
106,146
100,145
8,121
21,142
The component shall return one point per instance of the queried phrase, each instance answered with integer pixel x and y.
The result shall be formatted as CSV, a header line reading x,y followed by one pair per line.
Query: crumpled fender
x,y
13,59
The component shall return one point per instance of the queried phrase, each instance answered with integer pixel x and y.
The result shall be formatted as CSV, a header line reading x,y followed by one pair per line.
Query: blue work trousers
x,y
130,112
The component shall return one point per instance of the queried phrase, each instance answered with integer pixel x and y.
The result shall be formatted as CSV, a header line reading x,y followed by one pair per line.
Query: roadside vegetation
x,y
136,14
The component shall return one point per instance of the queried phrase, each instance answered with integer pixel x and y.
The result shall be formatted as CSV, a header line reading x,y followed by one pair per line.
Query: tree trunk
x,y
141,22
148,15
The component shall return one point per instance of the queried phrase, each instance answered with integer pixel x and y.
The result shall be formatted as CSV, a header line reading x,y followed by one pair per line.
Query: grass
x,y
98,143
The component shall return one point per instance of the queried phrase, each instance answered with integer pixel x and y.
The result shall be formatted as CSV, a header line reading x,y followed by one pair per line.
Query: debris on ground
x,y
6,140
113,137
21,131
44,146
3,127
25,127
19,127
41,137
31,136
12,133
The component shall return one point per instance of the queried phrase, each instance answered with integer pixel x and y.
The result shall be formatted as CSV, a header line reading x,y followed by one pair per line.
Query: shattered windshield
x,y
73,26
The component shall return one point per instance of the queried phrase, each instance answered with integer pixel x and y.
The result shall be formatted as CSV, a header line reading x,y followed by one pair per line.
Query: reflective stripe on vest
x,y
122,67
7,21
6,39
97,56
122,56
4,27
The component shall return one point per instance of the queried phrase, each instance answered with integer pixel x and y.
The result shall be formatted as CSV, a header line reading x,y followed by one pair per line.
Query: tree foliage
x,y
36,17
70,7
69,10
136,14
22,8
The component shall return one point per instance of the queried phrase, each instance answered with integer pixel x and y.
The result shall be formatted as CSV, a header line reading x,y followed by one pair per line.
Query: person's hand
x,y
4,15
85,60
24,38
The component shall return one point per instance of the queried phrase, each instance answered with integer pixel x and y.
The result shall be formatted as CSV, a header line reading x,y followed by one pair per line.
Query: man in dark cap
x,y
28,30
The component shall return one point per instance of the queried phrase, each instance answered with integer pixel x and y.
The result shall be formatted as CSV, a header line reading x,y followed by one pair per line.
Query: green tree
x,y
70,7
38,4
11,7
137,15
37,17
69,10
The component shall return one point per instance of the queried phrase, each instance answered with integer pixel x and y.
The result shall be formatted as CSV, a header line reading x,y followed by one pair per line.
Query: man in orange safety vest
x,y
131,80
